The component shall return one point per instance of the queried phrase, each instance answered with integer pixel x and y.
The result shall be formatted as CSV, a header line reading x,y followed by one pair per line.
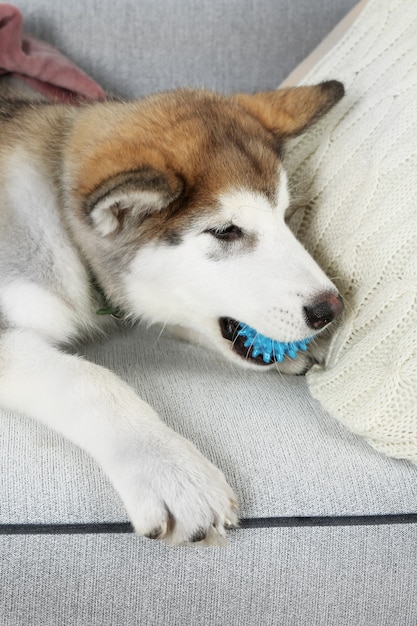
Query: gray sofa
x,y
329,526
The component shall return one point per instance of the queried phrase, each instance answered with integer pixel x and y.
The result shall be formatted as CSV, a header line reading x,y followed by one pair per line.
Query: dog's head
x,y
180,200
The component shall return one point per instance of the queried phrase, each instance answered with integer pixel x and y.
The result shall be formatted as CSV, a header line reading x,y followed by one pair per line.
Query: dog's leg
x,y
169,489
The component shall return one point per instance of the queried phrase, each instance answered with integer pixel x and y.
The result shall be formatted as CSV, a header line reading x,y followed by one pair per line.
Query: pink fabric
x,y
40,65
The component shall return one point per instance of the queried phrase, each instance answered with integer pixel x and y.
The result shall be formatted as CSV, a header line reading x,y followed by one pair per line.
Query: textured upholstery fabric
x,y
361,224
279,451
289,577
138,46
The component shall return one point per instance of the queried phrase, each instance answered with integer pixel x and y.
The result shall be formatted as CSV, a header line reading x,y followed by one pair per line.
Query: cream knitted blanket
x,y
358,167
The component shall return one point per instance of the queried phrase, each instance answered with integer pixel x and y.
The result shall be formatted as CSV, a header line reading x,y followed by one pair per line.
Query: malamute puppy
x,y
170,209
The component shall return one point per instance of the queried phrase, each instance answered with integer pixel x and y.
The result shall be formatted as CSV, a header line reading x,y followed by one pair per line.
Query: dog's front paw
x,y
172,492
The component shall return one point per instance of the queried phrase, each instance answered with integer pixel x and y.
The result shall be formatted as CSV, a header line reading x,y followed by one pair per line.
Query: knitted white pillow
x,y
358,168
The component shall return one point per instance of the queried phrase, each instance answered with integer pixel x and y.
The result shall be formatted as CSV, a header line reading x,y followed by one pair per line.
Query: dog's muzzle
x,y
323,310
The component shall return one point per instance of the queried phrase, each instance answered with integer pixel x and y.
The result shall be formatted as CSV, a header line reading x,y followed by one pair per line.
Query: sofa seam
x,y
251,523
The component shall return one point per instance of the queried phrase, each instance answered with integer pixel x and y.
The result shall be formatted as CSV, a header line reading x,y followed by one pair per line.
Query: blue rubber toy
x,y
270,349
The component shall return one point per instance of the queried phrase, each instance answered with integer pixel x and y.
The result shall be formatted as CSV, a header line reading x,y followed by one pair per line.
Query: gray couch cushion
x,y
279,451
133,48
283,456
289,577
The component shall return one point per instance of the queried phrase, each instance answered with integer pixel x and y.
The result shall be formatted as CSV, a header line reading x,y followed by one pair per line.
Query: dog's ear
x,y
130,197
288,112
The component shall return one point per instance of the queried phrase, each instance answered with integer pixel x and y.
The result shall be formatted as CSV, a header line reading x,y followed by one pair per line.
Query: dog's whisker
x,y
251,345
236,338
163,328
348,305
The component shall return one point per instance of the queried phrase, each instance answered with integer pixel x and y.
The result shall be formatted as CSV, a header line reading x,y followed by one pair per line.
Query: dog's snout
x,y
325,308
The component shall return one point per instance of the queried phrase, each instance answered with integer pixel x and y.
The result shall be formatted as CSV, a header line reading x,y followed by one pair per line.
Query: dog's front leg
x,y
169,489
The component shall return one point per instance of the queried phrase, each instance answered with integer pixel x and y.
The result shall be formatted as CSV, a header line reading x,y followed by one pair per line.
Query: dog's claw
x,y
200,535
155,534
163,530
228,524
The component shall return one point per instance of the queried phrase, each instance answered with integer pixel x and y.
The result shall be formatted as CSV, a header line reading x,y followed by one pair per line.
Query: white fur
x,y
106,221
46,298
159,475
40,249
156,472
265,285
27,305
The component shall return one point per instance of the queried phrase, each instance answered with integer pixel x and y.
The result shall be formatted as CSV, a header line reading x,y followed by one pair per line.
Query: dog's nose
x,y
323,310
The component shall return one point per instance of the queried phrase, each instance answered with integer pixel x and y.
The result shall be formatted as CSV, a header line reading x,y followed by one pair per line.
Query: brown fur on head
x,y
185,146
289,112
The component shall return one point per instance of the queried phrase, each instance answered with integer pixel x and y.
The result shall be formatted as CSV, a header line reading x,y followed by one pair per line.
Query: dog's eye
x,y
228,233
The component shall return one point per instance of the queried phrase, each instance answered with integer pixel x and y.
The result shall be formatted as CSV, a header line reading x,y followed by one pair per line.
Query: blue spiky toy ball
x,y
270,349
